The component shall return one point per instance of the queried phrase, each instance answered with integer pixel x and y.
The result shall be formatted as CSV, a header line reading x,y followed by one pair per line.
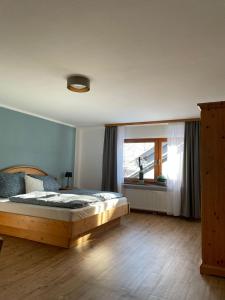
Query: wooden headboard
x,y
24,169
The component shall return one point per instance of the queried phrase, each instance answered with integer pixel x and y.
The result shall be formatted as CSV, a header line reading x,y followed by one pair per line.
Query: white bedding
x,y
63,214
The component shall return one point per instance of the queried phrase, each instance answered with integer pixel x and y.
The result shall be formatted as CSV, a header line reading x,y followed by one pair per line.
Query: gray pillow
x,y
11,184
50,184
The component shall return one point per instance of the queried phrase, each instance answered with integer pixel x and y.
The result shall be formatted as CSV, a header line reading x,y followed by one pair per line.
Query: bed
x,y
61,227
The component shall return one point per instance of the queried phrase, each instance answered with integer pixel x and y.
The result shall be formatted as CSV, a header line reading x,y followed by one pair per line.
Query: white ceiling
x,y
147,59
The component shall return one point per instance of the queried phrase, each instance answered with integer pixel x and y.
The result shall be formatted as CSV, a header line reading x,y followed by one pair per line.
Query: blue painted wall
x,y
28,140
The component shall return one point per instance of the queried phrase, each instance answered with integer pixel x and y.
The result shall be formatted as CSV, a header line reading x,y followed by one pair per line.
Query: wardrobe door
x,y
212,155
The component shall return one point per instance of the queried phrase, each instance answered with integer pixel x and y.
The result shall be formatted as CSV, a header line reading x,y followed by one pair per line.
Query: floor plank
x,y
148,257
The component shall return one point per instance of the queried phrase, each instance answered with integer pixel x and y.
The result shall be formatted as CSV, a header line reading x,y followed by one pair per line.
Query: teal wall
x,y
28,140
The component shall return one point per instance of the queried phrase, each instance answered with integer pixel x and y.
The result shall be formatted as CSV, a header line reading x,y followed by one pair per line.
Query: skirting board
x,y
55,232
212,270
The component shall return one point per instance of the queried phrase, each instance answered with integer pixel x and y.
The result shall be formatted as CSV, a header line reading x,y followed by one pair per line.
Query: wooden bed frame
x,y
64,234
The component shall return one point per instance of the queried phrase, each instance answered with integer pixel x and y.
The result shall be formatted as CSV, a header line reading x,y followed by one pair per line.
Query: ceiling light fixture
x,y
78,83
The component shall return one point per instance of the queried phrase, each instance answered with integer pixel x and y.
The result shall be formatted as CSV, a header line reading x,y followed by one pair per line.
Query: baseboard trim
x,y
152,212
212,270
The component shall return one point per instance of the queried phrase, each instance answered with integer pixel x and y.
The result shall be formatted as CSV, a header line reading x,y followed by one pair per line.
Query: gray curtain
x,y
190,190
109,167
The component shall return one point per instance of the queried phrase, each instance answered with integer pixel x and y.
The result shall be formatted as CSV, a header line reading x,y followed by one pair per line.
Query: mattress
x,y
63,214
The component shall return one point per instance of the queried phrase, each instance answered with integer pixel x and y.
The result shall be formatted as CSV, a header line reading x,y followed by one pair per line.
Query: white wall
x,y
88,158
147,131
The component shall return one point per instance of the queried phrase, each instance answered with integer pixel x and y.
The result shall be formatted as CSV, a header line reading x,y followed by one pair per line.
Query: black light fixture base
x,y
78,83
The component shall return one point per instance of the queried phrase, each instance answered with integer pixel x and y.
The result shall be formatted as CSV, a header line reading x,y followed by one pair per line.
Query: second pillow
x,y
33,184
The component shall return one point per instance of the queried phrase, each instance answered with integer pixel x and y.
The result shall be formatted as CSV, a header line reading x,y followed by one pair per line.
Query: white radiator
x,y
146,199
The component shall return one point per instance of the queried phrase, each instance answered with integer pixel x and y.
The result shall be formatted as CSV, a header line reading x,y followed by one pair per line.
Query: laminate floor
x,y
147,257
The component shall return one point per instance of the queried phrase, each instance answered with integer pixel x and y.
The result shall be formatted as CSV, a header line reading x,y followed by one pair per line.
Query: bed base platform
x,y
54,232
60,233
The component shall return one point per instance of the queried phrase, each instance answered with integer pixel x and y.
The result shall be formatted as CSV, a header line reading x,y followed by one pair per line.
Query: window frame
x,y
157,158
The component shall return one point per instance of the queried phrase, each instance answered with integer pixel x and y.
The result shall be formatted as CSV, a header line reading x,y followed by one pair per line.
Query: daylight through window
x,y
150,154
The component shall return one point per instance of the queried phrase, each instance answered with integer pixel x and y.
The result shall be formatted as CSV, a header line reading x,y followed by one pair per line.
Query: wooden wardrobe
x,y
213,187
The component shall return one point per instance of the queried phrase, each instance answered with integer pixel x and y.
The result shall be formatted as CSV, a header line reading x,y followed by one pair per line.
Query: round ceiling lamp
x,y
78,83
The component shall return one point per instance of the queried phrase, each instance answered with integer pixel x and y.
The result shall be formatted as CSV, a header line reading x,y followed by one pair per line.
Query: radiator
x,y
147,199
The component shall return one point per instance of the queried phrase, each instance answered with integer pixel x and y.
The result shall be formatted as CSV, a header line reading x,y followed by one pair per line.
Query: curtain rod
x,y
152,122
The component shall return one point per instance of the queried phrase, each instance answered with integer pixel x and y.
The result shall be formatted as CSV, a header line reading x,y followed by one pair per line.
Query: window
x,y
150,153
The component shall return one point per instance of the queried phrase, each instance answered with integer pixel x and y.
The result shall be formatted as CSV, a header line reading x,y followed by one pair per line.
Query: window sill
x,y
151,186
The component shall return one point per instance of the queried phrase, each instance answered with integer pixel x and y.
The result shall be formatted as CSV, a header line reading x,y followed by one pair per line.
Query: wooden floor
x,y
147,257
